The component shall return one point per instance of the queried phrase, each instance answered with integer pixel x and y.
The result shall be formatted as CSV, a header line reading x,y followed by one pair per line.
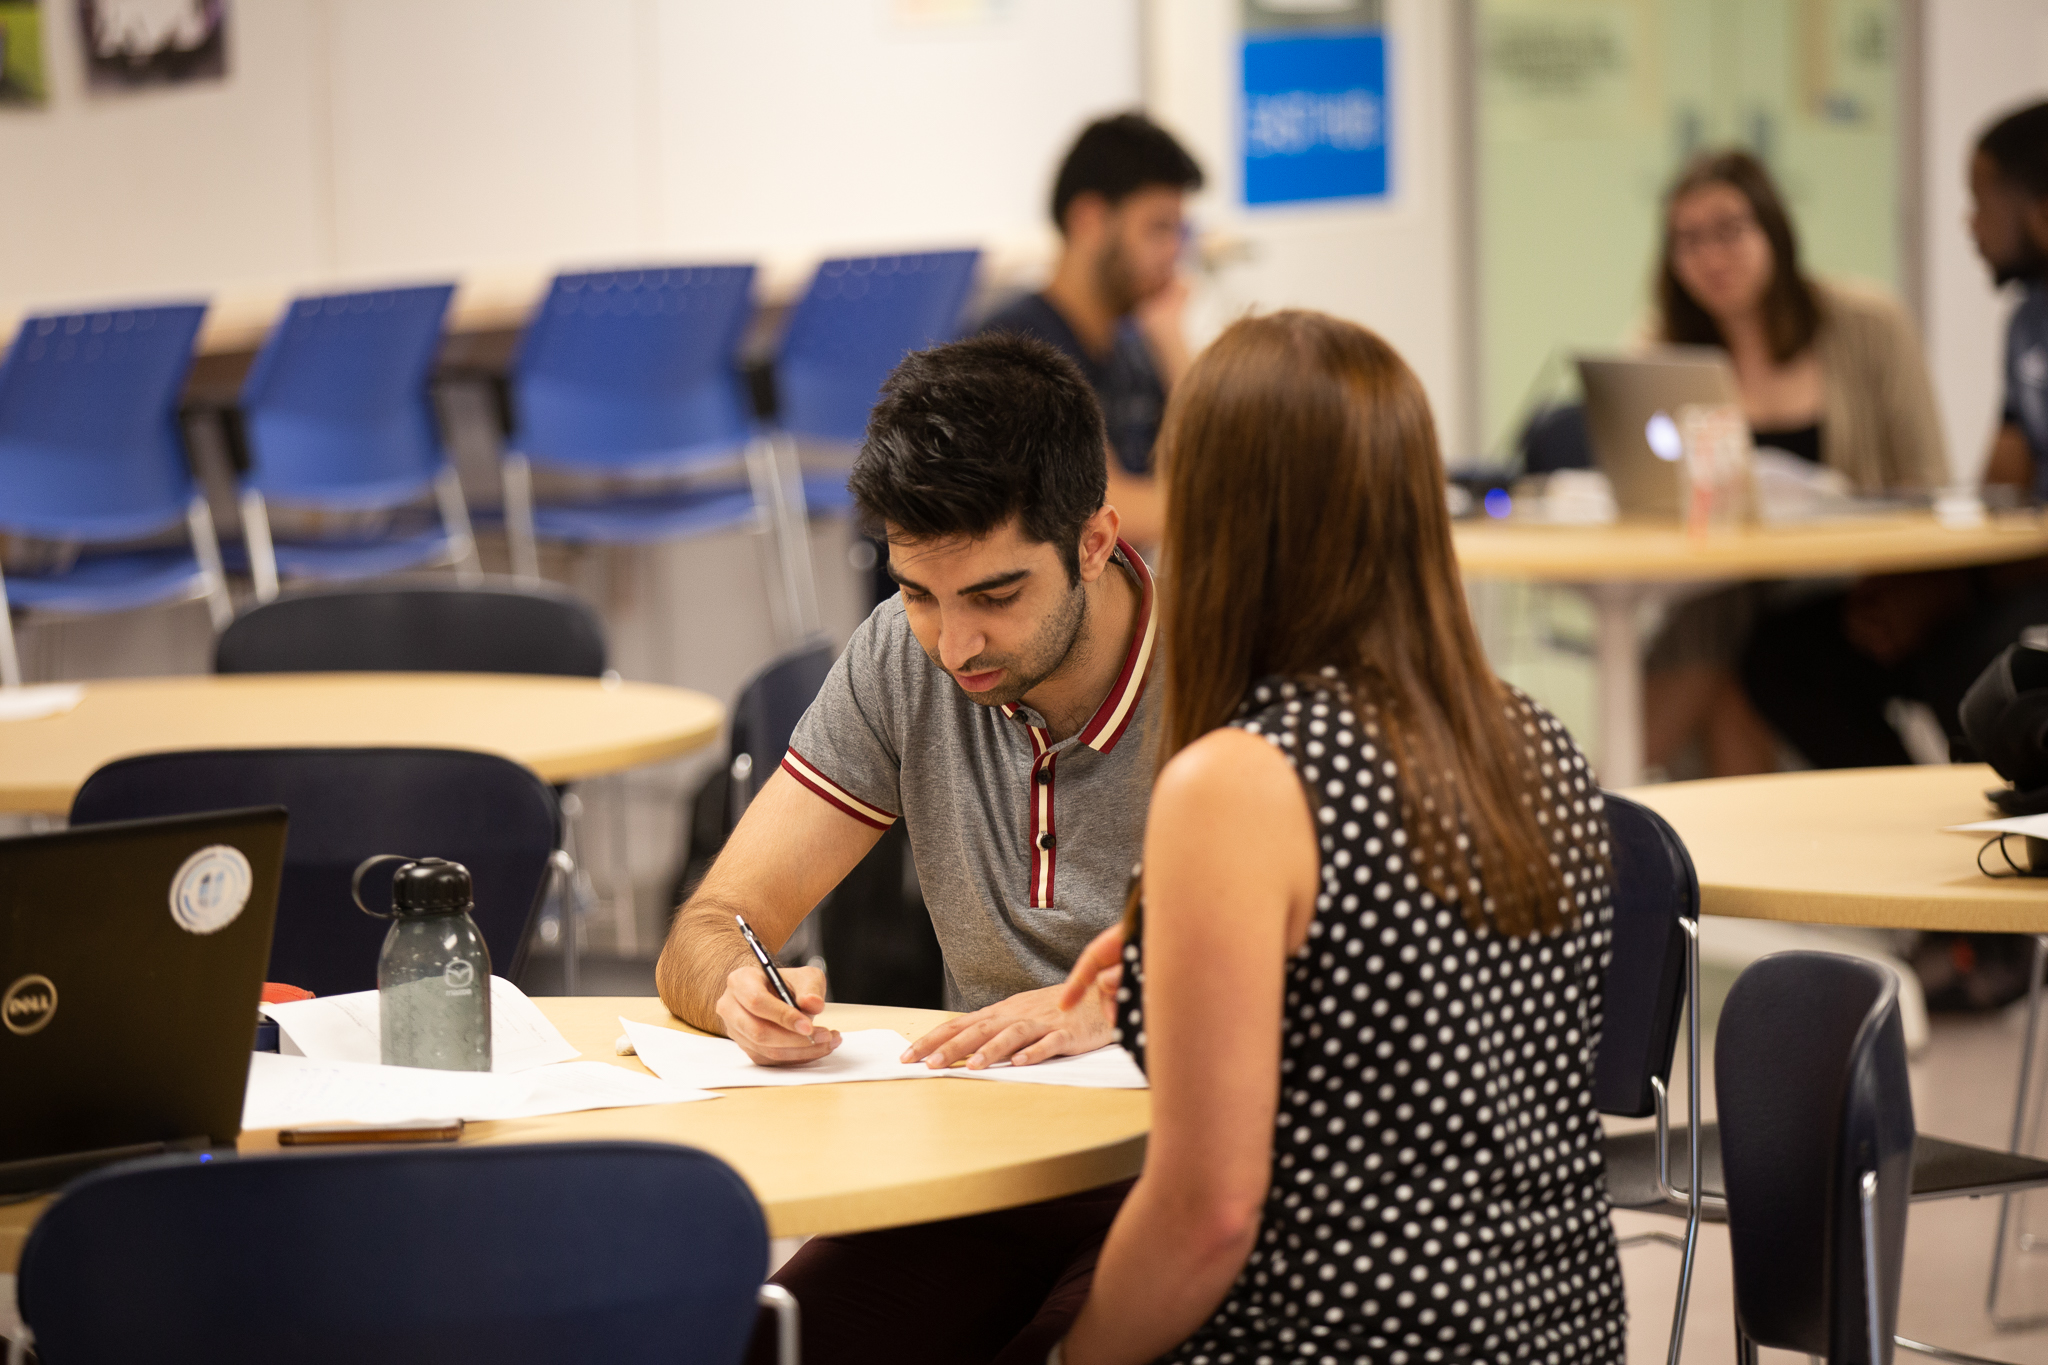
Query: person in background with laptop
x,y
1115,300
1827,373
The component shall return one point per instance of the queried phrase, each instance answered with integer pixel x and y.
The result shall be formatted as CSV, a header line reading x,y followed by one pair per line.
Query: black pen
x,y
775,981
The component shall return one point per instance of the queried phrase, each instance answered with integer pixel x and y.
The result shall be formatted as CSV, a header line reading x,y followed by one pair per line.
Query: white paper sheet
x,y
718,1064
863,1055
1106,1068
2036,825
290,1092
43,699
343,1028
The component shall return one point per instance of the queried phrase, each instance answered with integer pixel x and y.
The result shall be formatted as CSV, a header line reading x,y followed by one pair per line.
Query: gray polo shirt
x,y
1024,847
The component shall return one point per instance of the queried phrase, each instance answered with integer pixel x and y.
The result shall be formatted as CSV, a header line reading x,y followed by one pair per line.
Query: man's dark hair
x,y
971,434
2018,145
1116,157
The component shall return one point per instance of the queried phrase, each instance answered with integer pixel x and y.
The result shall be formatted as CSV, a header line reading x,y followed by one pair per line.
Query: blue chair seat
x,y
351,557
648,518
112,582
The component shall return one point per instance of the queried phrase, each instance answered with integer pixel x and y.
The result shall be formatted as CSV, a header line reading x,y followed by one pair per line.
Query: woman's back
x,y
1436,1181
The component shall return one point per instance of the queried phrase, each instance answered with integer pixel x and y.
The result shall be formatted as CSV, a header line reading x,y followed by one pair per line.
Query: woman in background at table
x,y
1828,374
1375,913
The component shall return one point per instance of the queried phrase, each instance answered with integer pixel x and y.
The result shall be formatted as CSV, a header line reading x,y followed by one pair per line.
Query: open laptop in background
x,y
1632,406
132,957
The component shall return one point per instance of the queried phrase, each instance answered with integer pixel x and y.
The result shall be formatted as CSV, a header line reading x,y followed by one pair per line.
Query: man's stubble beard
x,y
1051,650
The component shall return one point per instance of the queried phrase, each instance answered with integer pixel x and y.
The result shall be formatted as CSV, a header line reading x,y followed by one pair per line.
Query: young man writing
x,y
997,706
1115,301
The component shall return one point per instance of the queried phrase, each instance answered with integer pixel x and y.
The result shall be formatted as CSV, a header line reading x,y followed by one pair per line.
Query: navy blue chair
x,y
91,455
338,416
623,1252
418,627
1817,1150
1653,971
860,316
487,813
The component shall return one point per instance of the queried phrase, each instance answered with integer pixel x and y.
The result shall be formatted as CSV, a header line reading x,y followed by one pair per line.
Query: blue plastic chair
x,y
91,454
858,319
487,813
339,417
633,375
617,1251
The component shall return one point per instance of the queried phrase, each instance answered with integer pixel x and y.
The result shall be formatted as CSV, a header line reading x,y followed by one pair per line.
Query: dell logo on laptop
x,y
29,1004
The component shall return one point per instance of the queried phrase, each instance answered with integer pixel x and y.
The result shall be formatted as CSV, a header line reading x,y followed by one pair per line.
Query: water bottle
x,y
434,975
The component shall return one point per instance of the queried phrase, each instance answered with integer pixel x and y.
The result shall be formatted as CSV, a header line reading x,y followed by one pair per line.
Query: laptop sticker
x,y
210,889
29,1004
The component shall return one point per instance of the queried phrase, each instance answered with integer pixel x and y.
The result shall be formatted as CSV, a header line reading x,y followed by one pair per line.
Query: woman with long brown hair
x,y
1364,963
1828,373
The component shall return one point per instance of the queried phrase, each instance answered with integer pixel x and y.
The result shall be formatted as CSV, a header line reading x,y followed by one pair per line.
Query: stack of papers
x,y
862,1055
291,1092
327,1071
343,1028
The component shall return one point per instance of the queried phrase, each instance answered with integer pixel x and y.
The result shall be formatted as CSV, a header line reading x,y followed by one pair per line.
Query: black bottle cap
x,y
430,886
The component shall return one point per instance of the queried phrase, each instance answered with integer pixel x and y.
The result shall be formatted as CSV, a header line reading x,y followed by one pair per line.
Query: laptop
x,y
132,957
1632,407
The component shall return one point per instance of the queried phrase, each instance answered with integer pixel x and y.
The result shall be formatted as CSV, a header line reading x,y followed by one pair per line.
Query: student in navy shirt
x,y
1114,302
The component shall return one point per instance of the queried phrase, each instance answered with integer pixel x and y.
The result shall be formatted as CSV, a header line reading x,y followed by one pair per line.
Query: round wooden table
x,y
1861,846
834,1158
565,729
1622,567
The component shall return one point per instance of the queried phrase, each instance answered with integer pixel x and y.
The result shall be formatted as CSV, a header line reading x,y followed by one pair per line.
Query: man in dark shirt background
x,y
1115,299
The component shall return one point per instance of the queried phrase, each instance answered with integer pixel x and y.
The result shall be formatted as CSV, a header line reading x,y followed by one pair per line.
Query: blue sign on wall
x,y
1315,117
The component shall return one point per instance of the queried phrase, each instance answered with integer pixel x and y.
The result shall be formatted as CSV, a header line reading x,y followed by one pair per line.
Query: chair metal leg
x,y
10,662
262,549
778,490
1943,1353
520,536
788,1345
2023,1095
206,548
1745,1349
469,567
624,911
1873,1306
1695,1196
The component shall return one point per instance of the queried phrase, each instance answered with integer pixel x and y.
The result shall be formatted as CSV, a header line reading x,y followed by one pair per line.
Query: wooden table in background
x,y
565,729
834,1158
1857,846
1622,567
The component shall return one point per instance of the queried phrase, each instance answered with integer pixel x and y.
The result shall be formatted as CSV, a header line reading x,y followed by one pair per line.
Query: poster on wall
x,y
138,44
22,84
1316,118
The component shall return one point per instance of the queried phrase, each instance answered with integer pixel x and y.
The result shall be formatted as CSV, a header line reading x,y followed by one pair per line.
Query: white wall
x,y
1396,266
384,138
1982,58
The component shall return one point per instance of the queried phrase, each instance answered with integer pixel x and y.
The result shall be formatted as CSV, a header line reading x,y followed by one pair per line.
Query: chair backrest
x,y
487,813
1810,1080
861,316
635,370
89,441
337,407
1655,893
614,1251
767,711
417,628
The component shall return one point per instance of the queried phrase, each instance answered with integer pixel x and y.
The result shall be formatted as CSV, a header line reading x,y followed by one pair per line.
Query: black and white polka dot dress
x,y
1437,1191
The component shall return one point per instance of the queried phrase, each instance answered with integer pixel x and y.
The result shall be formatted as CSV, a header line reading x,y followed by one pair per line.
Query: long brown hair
x,y
1791,305
1305,529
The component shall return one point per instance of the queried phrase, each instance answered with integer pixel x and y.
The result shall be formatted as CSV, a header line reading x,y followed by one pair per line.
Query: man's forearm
x,y
703,948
